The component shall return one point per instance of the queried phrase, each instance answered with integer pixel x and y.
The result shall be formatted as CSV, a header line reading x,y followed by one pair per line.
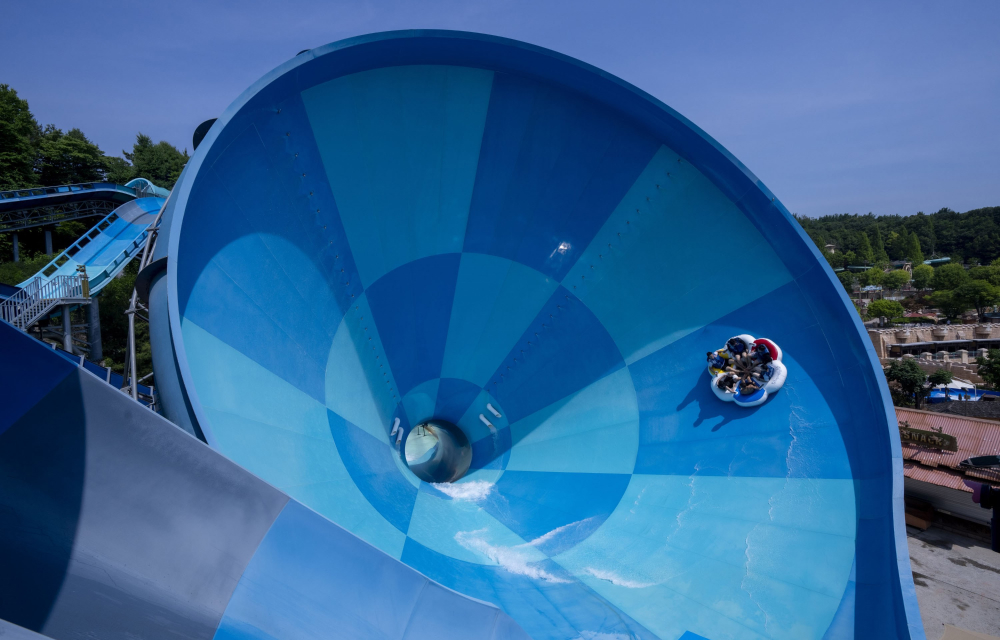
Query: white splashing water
x,y
617,580
472,491
600,635
515,559
545,537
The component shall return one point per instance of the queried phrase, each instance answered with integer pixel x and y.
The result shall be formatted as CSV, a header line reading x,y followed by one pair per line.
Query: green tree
x,y
909,376
67,158
922,276
912,251
161,162
865,252
949,276
965,237
895,279
118,170
990,274
885,309
15,273
894,245
922,226
871,276
948,303
847,279
114,301
989,368
979,294
879,246
18,132
939,377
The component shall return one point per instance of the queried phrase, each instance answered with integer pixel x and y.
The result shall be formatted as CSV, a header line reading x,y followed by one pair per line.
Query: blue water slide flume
x,y
142,186
107,247
426,226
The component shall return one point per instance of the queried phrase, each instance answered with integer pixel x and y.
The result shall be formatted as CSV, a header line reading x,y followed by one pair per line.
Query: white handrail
x,y
25,307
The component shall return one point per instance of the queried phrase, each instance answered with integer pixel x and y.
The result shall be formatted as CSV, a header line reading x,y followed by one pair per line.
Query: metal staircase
x,y
37,299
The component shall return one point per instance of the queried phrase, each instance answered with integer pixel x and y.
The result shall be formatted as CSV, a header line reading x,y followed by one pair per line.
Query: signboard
x,y
929,439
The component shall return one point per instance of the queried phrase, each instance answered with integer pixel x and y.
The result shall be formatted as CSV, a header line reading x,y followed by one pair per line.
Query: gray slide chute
x,y
114,523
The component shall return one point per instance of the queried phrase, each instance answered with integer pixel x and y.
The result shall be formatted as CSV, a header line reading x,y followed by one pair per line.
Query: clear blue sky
x,y
889,107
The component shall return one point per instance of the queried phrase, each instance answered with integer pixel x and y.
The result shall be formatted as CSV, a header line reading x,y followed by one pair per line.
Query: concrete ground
x,y
957,579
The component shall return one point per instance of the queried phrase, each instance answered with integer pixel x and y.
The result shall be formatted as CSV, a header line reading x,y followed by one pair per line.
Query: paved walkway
x,y
957,579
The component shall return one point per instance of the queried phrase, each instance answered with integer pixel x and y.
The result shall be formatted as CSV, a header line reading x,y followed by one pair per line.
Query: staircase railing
x,y
37,298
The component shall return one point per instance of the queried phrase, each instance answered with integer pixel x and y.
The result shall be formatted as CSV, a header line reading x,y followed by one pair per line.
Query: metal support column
x,y
48,241
17,252
132,376
67,329
94,330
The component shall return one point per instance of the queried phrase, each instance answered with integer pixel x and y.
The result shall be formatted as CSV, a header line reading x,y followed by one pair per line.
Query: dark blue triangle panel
x,y
370,464
564,349
551,170
411,307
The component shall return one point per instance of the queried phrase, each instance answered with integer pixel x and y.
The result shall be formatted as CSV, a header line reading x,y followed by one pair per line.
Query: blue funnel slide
x,y
454,293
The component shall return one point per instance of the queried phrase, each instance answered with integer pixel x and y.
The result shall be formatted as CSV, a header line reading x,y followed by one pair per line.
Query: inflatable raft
x,y
746,370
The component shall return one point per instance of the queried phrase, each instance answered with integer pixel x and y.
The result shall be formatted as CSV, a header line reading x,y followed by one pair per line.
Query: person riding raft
x,y
736,346
727,383
717,360
748,387
762,355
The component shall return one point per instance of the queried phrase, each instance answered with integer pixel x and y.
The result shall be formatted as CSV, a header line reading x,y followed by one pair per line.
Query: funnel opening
x,y
437,451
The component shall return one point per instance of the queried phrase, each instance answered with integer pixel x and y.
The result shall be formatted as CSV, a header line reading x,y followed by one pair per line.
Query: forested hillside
x,y
971,237
32,155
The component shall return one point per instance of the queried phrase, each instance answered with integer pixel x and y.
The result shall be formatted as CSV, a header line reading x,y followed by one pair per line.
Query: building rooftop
x,y
974,436
982,410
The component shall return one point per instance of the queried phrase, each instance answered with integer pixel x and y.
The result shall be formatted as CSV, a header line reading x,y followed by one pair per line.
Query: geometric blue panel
x,y
371,466
547,610
555,164
434,224
562,350
556,509
411,306
36,377
453,399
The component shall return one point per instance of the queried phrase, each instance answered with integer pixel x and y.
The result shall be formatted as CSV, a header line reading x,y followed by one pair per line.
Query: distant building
x,y
831,248
934,444
985,410
905,265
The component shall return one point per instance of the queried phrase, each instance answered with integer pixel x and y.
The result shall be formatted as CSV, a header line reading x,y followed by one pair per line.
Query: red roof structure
x,y
974,436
